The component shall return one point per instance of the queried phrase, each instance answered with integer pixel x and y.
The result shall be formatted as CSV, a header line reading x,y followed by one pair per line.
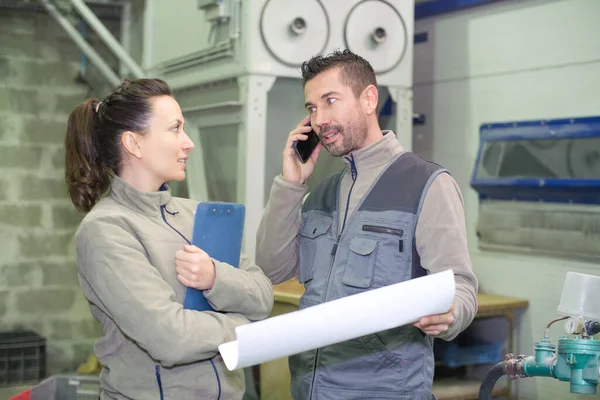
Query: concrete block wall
x,y
39,289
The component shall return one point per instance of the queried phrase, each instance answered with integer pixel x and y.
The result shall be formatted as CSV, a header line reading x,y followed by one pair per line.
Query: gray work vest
x,y
376,248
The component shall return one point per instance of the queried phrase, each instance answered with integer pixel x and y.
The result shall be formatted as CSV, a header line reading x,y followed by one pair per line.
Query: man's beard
x,y
353,137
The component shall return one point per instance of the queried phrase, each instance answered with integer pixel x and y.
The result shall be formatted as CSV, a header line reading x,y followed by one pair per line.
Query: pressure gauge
x,y
573,326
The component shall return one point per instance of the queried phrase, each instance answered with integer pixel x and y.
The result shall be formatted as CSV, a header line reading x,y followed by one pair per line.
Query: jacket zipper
x,y
354,173
162,213
158,380
391,231
163,208
218,379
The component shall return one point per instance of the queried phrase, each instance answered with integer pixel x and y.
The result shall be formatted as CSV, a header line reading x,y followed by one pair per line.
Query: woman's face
x,y
165,146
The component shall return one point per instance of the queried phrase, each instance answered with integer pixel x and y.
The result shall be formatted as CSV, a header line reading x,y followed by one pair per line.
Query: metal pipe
x,y
592,327
126,22
107,37
213,106
94,57
83,28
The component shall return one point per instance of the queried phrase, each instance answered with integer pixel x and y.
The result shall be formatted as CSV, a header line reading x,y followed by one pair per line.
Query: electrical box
x,y
275,36
218,11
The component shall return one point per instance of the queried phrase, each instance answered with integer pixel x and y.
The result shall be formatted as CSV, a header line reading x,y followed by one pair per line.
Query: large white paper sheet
x,y
339,320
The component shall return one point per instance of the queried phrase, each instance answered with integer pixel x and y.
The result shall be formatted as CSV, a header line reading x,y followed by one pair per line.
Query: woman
x,y
134,256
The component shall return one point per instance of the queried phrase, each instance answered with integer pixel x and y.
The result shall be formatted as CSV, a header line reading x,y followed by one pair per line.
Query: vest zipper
x,y
162,212
354,173
383,229
390,231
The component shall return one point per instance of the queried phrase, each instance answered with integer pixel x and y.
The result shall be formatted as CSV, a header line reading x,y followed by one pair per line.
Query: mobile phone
x,y
304,148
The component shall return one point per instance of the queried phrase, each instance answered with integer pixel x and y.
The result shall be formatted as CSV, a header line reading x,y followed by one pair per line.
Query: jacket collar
x,y
376,154
148,203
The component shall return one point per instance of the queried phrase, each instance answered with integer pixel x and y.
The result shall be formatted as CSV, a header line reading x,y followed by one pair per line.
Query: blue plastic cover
x,y
546,160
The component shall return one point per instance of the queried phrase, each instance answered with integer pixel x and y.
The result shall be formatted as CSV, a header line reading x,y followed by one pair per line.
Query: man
x,y
388,217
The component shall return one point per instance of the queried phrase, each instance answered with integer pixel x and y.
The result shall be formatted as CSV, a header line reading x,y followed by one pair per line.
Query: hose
x,y
488,383
555,320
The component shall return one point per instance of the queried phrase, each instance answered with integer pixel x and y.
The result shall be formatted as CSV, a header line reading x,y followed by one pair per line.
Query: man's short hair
x,y
356,72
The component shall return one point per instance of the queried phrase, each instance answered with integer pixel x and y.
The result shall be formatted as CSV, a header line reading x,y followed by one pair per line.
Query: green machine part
x,y
577,361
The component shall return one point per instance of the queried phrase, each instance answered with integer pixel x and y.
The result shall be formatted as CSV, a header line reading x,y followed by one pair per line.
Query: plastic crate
x,y
26,395
67,387
480,353
467,351
22,358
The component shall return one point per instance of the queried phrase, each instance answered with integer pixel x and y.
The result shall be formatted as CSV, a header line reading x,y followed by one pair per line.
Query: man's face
x,y
336,114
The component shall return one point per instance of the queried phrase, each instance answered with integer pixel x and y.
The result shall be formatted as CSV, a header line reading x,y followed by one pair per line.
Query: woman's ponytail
x,y
86,174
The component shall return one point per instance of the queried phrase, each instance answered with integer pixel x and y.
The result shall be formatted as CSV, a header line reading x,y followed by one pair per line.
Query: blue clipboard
x,y
218,230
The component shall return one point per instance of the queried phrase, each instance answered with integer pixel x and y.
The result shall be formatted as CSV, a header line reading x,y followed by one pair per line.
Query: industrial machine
x,y
236,74
576,359
538,183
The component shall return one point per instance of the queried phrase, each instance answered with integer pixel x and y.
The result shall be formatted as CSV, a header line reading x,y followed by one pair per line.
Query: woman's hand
x,y
195,268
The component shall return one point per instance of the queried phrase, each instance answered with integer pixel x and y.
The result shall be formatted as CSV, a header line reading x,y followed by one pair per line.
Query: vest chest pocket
x,y
361,261
311,244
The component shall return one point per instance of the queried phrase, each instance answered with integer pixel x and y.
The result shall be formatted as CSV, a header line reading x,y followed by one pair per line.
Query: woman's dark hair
x,y
93,139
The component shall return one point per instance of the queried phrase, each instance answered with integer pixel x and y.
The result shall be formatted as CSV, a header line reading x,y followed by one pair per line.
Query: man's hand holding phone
x,y
294,170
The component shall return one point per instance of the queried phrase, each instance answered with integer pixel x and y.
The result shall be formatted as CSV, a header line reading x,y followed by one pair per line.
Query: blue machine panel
x,y
437,7
546,160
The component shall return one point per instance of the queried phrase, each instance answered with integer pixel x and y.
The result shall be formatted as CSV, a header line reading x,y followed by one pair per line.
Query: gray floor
x,y
8,392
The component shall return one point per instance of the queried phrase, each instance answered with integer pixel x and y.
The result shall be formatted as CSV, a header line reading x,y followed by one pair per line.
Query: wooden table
x,y
275,376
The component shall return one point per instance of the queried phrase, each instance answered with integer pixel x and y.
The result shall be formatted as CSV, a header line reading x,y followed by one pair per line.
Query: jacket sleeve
x,y
277,235
441,240
120,281
245,290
